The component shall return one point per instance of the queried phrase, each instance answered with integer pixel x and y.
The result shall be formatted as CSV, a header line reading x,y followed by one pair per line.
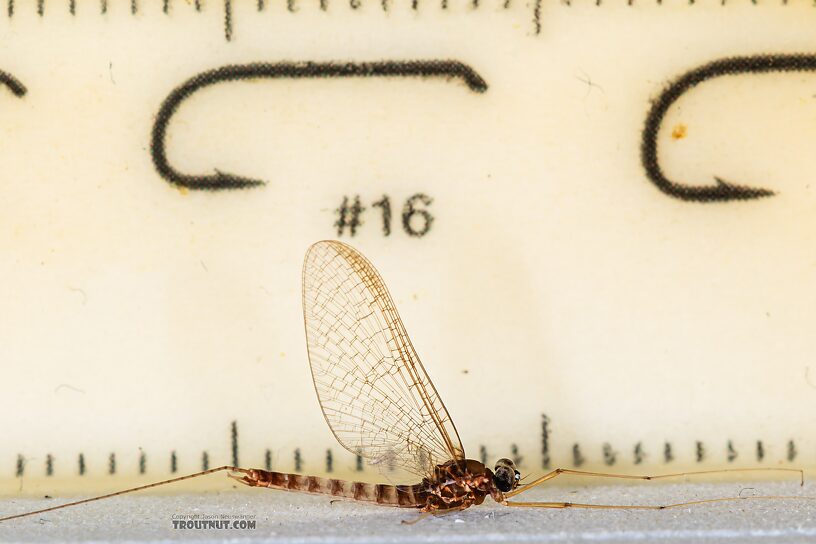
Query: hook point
x,y
731,191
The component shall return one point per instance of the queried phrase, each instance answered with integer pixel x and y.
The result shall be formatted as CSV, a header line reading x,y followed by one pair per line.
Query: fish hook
x,y
722,191
220,180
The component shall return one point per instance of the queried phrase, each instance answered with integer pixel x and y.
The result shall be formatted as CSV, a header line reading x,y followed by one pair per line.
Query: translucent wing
x,y
375,394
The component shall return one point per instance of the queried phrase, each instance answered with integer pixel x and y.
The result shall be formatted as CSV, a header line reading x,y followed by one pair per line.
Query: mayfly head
x,y
505,475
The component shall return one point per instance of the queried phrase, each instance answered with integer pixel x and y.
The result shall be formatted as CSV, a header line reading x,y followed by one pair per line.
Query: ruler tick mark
x,y
14,85
81,464
537,16
731,452
545,441
577,458
791,451
514,454
228,20
20,468
668,456
134,7
234,442
205,461
268,460
112,464
639,454
298,461
760,451
40,7
610,456
173,462
699,451
49,465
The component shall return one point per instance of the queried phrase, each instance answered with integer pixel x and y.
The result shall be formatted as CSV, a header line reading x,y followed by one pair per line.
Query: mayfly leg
x,y
417,519
559,471
435,513
130,490
560,505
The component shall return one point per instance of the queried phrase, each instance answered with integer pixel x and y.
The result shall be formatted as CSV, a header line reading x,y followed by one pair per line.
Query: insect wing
x,y
374,392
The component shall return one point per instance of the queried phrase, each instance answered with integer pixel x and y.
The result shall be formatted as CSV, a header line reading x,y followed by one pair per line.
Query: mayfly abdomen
x,y
409,496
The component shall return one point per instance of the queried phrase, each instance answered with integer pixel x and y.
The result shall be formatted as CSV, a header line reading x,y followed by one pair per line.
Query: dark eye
x,y
518,475
504,479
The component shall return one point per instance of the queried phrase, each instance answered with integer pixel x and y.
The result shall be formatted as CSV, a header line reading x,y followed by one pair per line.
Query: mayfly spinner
x,y
380,403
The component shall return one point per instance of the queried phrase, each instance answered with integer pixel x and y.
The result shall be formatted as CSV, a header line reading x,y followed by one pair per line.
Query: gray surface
x,y
291,517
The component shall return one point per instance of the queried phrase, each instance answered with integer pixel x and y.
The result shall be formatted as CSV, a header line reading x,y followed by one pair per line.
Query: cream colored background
x,y
556,274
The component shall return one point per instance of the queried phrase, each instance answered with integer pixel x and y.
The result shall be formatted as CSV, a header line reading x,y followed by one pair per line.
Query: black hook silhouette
x,y
14,85
723,191
223,180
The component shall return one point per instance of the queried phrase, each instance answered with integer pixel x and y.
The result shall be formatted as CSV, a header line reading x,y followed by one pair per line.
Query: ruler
x,y
596,220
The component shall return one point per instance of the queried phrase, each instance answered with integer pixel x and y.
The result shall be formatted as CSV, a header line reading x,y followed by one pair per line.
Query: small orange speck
x,y
679,132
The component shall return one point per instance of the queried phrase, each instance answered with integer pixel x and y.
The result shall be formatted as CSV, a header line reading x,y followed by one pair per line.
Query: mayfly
x,y
380,403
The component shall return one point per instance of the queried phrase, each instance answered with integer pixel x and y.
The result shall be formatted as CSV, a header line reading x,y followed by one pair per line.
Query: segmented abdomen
x,y
387,495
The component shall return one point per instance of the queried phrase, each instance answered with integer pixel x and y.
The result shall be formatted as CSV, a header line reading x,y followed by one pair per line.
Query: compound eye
x,y
518,475
504,479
